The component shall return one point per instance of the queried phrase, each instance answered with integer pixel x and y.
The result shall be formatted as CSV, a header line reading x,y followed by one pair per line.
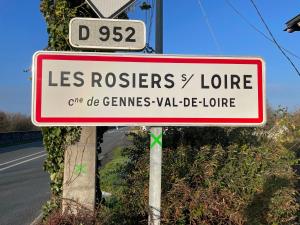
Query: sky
x,y
186,32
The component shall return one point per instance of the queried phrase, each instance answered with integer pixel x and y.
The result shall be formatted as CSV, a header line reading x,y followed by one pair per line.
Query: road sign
x,y
107,34
109,8
77,88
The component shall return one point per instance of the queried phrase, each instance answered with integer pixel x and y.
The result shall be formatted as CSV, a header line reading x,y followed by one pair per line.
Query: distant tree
x,y
15,122
19,122
4,124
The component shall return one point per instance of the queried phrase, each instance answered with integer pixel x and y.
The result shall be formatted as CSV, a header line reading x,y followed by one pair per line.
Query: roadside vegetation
x,y
214,176
210,176
110,179
10,122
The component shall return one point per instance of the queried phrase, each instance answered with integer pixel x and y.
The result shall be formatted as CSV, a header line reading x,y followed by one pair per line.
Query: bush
x,y
233,176
83,217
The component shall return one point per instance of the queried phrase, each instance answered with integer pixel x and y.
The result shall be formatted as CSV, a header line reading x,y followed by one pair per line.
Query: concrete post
x,y
155,175
80,173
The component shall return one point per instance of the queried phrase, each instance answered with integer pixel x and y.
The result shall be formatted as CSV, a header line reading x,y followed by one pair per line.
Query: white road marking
x,y
19,163
1,164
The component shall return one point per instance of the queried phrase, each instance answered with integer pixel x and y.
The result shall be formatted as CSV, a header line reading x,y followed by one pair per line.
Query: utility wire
x,y
148,7
151,20
279,47
135,4
211,31
148,19
146,14
256,29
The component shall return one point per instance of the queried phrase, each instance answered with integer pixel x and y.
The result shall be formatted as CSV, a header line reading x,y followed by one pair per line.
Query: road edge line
x,y
22,162
37,220
8,162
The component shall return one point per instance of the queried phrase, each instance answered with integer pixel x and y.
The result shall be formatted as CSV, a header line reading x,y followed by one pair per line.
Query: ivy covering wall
x,y
58,14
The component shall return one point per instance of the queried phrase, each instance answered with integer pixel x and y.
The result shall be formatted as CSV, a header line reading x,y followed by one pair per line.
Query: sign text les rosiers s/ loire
x,y
76,88
107,34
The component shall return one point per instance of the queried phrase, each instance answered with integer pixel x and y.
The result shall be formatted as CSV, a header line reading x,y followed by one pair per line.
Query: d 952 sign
x,y
107,34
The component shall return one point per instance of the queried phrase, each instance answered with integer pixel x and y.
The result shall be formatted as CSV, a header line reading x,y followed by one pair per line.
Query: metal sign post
x,y
156,134
155,175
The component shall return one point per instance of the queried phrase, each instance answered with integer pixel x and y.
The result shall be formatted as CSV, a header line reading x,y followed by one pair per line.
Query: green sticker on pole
x,y
80,169
156,140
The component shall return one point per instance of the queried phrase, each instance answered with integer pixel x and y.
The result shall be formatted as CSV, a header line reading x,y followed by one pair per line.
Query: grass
x,y
110,180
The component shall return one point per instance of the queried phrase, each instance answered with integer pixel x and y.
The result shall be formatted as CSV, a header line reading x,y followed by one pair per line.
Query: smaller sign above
x,y
112,34
109,8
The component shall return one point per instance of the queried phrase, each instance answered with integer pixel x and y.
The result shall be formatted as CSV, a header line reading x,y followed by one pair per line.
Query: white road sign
x,y
107,34
77,88
109,8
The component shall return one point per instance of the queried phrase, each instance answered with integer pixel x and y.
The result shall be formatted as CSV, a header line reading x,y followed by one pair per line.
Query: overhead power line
x,y
272,36
256,29
149,12
211,31
151,20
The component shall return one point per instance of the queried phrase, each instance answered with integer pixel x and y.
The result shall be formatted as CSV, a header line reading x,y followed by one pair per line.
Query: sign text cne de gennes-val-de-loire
x,y
105,89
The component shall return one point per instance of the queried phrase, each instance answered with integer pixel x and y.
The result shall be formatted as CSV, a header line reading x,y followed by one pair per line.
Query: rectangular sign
x,y
82,89
107,34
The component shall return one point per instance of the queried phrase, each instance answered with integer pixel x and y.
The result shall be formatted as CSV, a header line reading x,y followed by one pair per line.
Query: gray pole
x,y
156,137
159,27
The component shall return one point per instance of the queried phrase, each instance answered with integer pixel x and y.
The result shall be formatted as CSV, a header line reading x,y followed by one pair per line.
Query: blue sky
x,y
23,31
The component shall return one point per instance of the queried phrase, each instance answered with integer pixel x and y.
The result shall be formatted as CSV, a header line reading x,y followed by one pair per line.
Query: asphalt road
x,y
24,186
112,139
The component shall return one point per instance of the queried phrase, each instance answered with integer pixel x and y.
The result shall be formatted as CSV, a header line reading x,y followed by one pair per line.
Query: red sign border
x,y
40,57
